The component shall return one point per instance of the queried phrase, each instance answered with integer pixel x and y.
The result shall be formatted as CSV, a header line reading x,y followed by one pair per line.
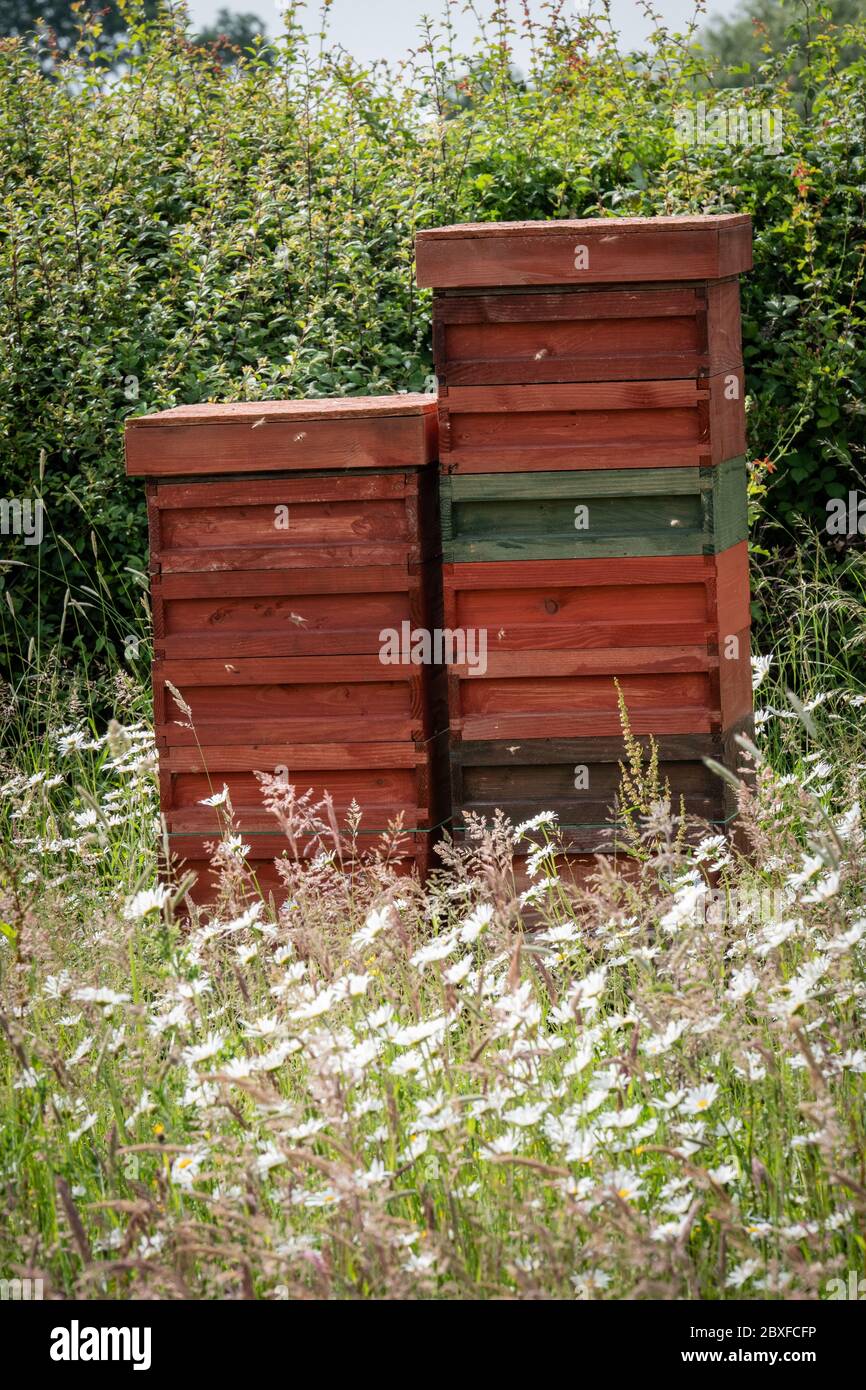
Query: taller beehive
x,y
285,538
593,494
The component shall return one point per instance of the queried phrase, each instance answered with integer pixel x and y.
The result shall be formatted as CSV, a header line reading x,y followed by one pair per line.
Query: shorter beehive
x,y
286,538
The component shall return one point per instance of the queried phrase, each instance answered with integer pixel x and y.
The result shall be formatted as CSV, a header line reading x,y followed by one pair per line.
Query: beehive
x,y
285,538
593,497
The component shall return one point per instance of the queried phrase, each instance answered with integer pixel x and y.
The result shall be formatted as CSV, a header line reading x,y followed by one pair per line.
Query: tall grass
x,y
648,1086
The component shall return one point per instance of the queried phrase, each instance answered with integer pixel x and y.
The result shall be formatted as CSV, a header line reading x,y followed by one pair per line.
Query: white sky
x,y
372,29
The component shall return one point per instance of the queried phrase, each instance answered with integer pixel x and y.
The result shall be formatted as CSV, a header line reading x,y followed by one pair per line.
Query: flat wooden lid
x,y
585,251
342,433
331,408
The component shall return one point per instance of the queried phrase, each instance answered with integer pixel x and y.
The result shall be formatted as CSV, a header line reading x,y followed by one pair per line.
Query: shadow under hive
x,y
593,500
284,538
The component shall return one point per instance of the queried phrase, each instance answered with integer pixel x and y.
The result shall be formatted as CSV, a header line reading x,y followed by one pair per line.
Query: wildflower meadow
x,y
645,1086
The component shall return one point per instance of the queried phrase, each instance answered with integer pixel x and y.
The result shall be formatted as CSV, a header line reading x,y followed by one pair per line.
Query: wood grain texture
x,y
615,513
333,408
265,847
349,433
633,573
592,425
285,613
395,785
556,642
287,488
580,781
298,522
625,250
599,752
585,334
265,880
578,604
270,594
287,699
572,722
163,449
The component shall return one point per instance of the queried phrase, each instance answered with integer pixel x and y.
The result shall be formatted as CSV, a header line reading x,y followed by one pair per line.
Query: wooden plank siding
x,y
525,777
611,513
285,539
593,505
593,425
674,631
583,333
590,251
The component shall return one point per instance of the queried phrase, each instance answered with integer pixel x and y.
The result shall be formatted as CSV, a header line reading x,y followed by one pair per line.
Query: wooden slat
x,y
582,396
251,820
673,748
332,642
268,882
622,660
569,304
301,557
267,847
581,723
310,524
362,579
584,816
297,488
294,671
500,456
509,636
231,737
614,482
685,569
589,692
305,757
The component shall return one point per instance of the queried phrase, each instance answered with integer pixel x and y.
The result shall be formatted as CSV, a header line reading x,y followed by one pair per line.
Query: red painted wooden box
x,y
586,333
674,631
285,538
619,424
615,250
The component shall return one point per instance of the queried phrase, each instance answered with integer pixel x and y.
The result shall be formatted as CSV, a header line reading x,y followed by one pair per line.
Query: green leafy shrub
x,y
186,232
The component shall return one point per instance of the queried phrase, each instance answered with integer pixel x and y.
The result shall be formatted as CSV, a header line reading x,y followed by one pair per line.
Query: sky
x,y
372,29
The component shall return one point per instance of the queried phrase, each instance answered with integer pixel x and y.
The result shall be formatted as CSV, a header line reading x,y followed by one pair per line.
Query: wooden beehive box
x,y
633,361
592,425
579,780
285,537
609,513
583,333
593,497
